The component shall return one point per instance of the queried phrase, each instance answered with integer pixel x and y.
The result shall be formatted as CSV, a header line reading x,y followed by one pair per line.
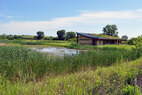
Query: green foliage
x,y
15,60
48,38
10,37
125,37
131,90
27,72
61,34
100,81
19,61
131,41
17,37
90,47
138,42
3,36
106,36
40,35
70,35
110,30
27,37
37,42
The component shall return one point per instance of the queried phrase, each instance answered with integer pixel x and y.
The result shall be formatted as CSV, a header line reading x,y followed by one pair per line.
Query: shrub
x,y
131,90
131,41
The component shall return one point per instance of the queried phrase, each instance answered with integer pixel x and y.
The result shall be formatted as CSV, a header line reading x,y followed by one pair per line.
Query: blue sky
x,y
90,16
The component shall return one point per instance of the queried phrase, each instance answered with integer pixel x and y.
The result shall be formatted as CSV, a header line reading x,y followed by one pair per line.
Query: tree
x,y
40,35
138,42
61,34
3,36
17,37
132,41
125,37
110,30
10,37
70,35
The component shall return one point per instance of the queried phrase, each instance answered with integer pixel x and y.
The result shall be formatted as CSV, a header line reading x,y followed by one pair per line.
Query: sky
x,y
26,17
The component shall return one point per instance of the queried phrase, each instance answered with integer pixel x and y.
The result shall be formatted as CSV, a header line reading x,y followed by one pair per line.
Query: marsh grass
x,y
121,79
18,62
100,71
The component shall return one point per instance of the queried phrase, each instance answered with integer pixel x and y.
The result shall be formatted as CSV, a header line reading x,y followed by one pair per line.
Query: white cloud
x,y
83,20
139,10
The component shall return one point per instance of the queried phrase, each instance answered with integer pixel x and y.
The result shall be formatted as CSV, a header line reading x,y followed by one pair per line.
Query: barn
x,y
96,39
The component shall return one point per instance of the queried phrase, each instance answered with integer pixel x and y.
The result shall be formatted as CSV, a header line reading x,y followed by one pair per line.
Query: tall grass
x,y
121,79
20,63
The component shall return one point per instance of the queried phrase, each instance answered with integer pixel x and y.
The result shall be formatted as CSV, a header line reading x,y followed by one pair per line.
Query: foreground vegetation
x,y
101,70
121,79
19,62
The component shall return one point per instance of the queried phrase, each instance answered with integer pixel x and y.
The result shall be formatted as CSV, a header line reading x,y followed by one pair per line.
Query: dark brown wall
x,y
89,41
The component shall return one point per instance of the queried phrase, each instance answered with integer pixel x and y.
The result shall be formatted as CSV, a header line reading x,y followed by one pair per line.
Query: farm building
x,y
96,39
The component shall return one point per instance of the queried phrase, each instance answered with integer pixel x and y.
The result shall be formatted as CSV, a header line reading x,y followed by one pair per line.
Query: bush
x,y
131,90
138,42
131,41
10,38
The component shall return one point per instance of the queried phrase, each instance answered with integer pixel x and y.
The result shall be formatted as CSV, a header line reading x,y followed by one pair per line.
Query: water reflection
x,y
57,51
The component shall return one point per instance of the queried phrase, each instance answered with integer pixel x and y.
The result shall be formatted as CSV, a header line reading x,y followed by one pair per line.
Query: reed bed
x,y
121,79
18,62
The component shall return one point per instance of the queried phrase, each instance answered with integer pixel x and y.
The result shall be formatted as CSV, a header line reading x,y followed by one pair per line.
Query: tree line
x,y
110,30
61,35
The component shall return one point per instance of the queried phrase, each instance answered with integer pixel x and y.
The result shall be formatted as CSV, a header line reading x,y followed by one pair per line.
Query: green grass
x,y
37,42
100,70
106,36
18,62
121,79
90,47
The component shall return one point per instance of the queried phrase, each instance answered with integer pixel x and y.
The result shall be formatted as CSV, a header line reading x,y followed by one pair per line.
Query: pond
x,y
58,51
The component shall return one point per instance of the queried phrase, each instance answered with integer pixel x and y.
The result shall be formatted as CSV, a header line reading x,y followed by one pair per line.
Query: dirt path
x,y
1,44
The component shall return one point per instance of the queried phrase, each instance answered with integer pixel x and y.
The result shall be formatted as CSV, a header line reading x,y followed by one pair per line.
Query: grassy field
x,y
37,42
89,47
103,69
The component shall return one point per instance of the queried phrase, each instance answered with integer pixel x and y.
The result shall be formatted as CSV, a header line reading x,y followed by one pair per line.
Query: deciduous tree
x,y
125,37
70,35
40,35
61,34
110,30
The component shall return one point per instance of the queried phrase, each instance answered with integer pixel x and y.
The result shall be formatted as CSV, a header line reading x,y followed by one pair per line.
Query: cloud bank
x,y
85,19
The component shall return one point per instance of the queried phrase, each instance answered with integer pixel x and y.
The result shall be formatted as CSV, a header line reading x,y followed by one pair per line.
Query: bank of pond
x,y
22,65
100,71
18,61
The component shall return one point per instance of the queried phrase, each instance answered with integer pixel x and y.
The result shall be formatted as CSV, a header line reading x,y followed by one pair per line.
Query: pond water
x,y
58,51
